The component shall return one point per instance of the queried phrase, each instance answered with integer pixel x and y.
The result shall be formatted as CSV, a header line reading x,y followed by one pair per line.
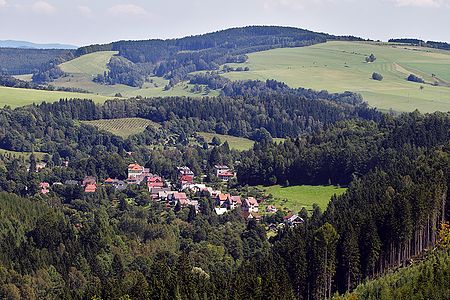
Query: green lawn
x,y
293,198
340,66
122,127
92,63
236,143
19,97
24,155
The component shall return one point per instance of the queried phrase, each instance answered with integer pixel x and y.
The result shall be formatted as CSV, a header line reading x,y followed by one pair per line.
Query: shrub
x,y
377,76
415,78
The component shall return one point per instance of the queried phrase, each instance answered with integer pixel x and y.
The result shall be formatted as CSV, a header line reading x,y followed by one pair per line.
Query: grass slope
x,y
24,155
340,66
293,198
122,127
19,97
236,143
91,64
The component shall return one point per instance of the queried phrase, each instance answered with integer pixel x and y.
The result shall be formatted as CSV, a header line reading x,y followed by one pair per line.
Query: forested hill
x,y
175,58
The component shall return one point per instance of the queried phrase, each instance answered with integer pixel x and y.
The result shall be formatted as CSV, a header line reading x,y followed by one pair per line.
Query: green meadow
x,y
341,66
294,198
122,127
236,143
22,155
15,97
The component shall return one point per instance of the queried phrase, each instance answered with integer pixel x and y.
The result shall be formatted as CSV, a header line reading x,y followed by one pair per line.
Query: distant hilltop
x,y
30,45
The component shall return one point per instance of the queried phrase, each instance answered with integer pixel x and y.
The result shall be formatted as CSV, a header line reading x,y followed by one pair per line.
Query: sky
x,y
84,22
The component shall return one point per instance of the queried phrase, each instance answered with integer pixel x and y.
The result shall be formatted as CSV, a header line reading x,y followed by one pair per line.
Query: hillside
x,y
340,66
30,45
429,279
16,97
124,127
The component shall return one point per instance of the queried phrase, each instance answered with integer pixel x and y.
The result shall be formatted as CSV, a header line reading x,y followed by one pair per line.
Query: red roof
x,y
223,197
135,167
90,188
154,179
109,180
44,185
179,196
187,178
251,201
235,199
226,174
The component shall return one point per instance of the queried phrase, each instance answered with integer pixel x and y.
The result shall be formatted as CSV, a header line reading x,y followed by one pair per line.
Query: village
x,y
183,193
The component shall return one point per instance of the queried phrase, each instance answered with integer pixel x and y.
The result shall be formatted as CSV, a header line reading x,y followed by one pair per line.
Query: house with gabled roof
x,y
44,188
250,204
90,188
251,216
221,199
89,180
233,202
224,173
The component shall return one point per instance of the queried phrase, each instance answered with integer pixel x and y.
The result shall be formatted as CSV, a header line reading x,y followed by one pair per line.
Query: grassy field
x,y
341,66
293,198
24,155
122,127
18,97
236,143
91,64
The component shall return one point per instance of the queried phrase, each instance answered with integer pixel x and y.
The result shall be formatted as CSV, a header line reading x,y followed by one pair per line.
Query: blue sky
x,y
82,22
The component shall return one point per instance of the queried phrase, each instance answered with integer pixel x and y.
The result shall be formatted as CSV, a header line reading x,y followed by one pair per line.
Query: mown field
x,y
341,66
22,155
236,143
122,127
19,97
294,198
91,64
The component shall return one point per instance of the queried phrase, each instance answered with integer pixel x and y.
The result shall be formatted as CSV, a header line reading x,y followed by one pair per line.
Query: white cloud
x,y
38,7
42,7
126,9
298,4
293,4
84,10
422,3
3,3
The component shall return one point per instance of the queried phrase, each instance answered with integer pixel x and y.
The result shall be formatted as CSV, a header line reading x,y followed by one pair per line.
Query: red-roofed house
x,y
233,202
155,181
90,188
221,199
271,209
186,180
250,205
179,197
89,180
292,220
224,173
250,215
44,188
109,181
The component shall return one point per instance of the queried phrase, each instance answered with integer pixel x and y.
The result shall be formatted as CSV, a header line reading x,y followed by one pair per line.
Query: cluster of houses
x,y
163,191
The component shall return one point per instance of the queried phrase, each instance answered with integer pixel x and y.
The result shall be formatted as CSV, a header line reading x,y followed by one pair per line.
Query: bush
x,y
377,76
371,58
415,78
